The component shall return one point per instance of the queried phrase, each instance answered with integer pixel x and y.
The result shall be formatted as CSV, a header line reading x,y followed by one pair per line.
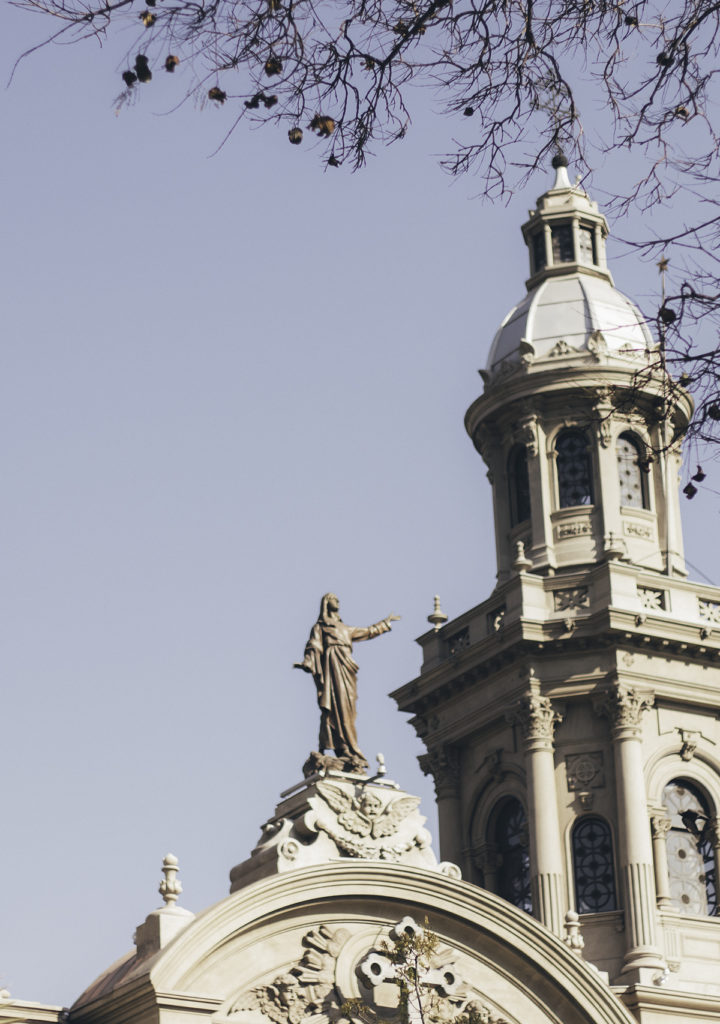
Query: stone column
x,y
537,719
660,825
443,763
625,706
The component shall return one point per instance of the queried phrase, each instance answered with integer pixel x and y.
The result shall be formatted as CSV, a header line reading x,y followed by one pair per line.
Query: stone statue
x,y
328,658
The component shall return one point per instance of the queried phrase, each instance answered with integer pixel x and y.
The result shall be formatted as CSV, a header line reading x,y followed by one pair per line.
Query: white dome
x,y
566,314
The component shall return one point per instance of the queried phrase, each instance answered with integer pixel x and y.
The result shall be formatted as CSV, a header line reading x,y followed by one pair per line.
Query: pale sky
x,y
229,384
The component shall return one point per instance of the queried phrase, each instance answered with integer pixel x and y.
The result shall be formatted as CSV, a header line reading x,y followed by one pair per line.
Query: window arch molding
x,y
562,461
665,765
608,899
485,799
488,794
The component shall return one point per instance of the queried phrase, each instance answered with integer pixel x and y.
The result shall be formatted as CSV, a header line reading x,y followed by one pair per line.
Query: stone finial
x,y
573,937
382,770
170,887
437,617
522,563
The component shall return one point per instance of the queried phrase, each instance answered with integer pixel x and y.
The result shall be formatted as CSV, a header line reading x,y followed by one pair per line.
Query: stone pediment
x,y
337,816
305,945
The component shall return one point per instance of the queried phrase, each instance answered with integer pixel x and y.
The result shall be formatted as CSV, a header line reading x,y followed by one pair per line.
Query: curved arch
x,y
489,793
666,764
490,936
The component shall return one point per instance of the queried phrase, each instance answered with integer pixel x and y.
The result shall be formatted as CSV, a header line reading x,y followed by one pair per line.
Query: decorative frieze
x,y
307,989
571,599
585,771
709,611
652,599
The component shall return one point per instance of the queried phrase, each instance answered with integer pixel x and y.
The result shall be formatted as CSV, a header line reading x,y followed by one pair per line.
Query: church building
x,y
571,728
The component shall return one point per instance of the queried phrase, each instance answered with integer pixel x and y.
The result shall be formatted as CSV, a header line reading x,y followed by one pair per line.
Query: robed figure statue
x,y
328,657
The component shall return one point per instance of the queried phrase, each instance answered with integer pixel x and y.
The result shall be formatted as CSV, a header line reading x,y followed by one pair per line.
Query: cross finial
x,y
170,887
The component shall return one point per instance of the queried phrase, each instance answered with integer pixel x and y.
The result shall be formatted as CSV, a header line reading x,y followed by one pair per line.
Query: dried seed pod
x,y
667,315
699,476
254,102
171,62
142,68
322,125
273,66
129,78
148,18
333,161
689,490
217,94
469,111
714,412
664,59
269,101
295,135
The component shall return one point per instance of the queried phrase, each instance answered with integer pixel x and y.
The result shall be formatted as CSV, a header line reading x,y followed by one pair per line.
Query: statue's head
x,y
329,606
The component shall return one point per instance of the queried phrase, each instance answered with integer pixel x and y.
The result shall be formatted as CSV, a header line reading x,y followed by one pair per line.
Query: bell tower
x,y
570,718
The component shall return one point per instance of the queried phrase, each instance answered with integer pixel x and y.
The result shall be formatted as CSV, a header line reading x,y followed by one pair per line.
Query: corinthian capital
x,y
443,763
660,825
536,717
624,706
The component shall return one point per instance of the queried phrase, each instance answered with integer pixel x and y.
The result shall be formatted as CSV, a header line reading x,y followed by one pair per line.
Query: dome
x,y
565,315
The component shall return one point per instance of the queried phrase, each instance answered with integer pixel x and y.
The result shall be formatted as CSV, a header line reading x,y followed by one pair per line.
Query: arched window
x,y
519,484
593,866
690,851
574,469
632,480
511,842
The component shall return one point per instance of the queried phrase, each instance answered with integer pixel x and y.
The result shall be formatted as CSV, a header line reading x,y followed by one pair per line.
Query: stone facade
x,y
596,690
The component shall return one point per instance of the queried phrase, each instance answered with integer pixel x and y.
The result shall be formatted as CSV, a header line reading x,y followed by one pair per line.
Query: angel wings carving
x,y
365,815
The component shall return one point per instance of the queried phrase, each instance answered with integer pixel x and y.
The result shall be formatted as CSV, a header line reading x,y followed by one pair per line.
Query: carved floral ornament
x,y
443,763
339,977
536,717
624,706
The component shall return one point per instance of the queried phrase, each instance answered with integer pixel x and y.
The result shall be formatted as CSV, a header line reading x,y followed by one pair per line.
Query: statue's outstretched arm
x,y
369,632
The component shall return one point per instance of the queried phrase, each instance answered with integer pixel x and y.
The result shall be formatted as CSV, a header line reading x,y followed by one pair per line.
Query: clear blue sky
x,y
228,385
